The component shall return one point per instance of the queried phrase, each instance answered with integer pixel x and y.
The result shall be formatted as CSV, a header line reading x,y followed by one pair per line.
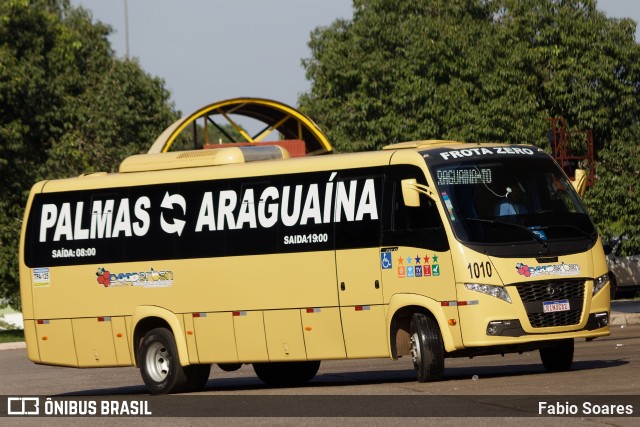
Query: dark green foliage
x,y
485,70
614,201
67,106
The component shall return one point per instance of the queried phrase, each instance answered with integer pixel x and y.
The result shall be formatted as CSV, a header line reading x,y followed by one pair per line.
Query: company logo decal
x,y
145,279
548,270
415,266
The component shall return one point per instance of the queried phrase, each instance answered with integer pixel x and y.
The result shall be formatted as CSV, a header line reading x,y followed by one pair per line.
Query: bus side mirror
x,y
580,182
410,194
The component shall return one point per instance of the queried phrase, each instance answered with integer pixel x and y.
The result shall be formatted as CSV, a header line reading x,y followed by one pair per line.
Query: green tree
x,y
484,70
67,106
411,70
614,201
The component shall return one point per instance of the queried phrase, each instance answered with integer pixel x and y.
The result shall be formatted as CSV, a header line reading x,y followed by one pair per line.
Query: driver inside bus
x,y
512,203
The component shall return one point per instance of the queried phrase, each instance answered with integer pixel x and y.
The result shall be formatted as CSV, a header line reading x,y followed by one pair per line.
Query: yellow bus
x,y
241,255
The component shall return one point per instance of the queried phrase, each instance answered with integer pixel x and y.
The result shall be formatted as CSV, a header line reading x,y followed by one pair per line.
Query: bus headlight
x,y
600,282
495,291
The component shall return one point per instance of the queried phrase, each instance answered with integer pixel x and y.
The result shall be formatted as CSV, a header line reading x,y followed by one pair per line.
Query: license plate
x,y
553,306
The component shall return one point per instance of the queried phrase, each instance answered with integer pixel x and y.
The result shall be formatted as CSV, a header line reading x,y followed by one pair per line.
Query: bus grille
x,y
562,318
533,294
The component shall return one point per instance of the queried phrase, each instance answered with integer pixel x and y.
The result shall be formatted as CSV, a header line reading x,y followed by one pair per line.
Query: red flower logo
x,y
523,269
104,277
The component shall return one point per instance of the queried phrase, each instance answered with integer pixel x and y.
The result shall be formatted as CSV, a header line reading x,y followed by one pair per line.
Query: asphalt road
x,y
607,366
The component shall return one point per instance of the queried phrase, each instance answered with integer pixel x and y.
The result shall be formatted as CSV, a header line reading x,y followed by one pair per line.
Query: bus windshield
x,y
500,204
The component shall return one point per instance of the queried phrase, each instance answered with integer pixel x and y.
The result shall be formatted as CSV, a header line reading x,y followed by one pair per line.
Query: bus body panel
x,y
190,338
31,337
322,328
250,336
94,341
121,341
215,337
365,332
55,342
283,329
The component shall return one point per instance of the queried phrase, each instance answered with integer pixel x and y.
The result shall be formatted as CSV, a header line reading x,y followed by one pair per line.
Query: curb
x,y
13,345
618,318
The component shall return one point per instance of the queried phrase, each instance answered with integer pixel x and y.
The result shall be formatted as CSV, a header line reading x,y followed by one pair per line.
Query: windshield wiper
x,y
514,225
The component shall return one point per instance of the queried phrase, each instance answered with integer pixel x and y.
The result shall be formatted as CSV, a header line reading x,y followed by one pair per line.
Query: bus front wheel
x,y
558,356
427,348
159,364
286,374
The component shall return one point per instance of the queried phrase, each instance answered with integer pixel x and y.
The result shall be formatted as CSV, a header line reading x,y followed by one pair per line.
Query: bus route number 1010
x,y
480,269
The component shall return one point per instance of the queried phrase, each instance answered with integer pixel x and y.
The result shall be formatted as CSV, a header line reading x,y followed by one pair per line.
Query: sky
x,y
211,50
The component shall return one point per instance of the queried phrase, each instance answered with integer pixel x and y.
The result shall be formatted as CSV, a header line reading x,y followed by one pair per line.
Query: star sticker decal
x,y
409,259
400,260
417,258
435,258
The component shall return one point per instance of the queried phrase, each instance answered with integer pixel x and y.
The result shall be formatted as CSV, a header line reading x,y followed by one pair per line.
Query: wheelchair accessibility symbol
x,y
385,260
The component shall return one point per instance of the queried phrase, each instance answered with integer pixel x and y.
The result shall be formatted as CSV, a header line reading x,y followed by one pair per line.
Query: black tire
x,y
625,294
286,374
427,348
159,364
558,356
230,367
613,286
197,377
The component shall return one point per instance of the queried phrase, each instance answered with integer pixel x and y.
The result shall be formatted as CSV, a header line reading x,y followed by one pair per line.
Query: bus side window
x,y
419,226
415,218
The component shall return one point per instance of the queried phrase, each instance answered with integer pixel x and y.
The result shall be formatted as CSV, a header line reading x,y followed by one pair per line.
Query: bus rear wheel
x,y
197,377
159,364
427,348
230,367
286,374
558,356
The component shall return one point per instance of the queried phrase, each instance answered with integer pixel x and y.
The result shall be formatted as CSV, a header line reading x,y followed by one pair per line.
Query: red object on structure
x,y
572,149
295,147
